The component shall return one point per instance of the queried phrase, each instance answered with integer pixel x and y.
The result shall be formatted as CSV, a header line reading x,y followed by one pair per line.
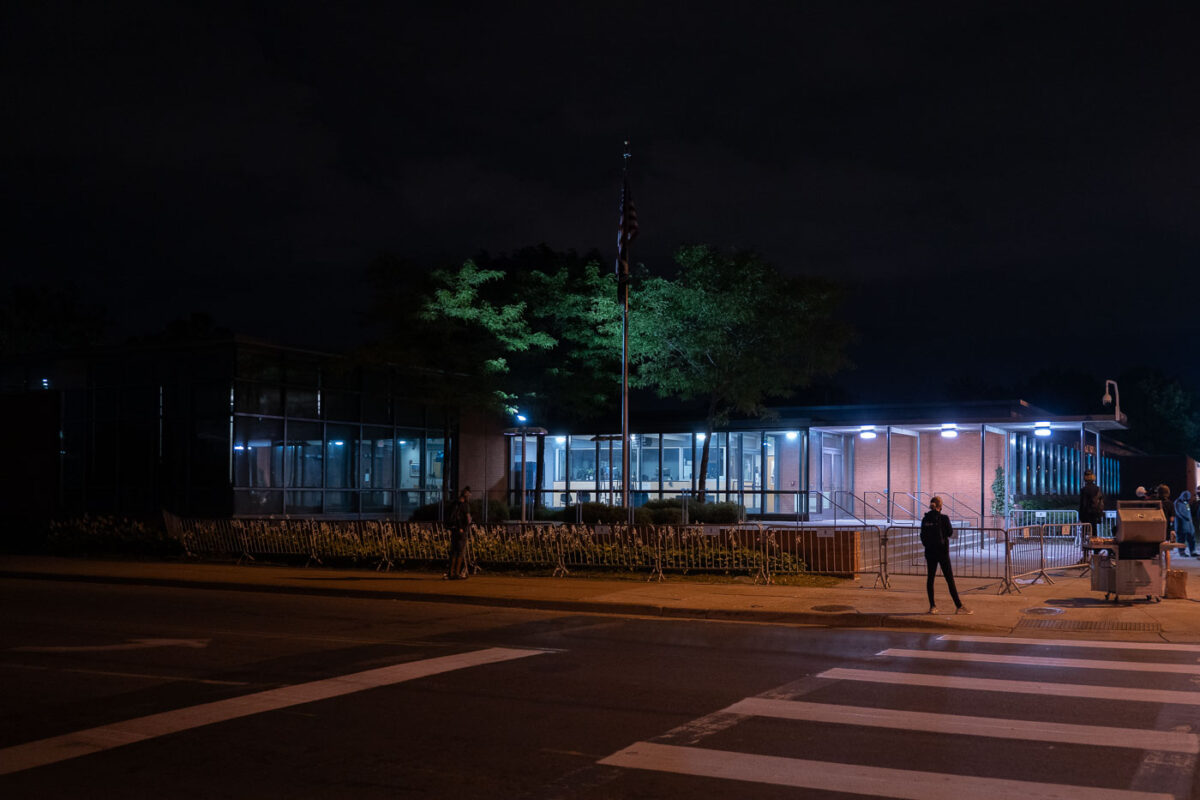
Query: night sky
x,y
1004,186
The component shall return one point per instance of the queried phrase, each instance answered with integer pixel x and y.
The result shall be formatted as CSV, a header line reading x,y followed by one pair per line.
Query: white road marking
x,y
1183,648
93,740
130,644
1043,661
996,727
1019,687
850,778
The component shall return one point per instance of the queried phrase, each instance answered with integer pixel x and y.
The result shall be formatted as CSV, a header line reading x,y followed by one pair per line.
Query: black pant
x,y
934,559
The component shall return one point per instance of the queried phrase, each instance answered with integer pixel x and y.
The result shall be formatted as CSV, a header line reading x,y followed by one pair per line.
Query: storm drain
x,y
1088,625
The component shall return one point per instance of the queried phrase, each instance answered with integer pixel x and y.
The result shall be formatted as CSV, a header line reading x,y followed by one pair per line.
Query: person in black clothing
x,y
1163,494
936,532
460,528
1091,505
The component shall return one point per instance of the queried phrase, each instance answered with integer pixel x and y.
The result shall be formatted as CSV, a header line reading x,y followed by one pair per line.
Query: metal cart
x,y
1135,561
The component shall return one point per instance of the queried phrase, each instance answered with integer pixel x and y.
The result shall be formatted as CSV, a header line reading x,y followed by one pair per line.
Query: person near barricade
x,y
1162,493
1195,508
936,533
1091,507
1185,523
460,529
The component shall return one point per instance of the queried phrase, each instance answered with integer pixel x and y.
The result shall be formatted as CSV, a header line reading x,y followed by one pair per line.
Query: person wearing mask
x,y
1185,524
936,532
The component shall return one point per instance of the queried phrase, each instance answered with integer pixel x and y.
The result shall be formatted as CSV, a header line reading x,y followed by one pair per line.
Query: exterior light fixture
x,y
700,437
867,431
792,435
522,418
560,439
45,383
949,430
239,447
339,443
1041,429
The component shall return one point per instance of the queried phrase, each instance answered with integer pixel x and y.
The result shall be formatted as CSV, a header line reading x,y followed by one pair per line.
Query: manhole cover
x,y
1042,611
1088,625
833,608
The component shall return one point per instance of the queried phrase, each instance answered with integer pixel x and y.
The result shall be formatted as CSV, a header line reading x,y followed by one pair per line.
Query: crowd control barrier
x,y
1009,555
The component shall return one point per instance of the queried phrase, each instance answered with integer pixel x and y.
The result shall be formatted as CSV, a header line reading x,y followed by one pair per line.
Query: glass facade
x,y
762,470
315,436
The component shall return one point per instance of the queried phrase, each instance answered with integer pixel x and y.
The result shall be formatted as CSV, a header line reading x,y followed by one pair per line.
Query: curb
x,y
852,619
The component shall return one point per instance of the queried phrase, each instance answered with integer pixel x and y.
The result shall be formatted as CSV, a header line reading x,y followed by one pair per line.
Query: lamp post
x,y
523,431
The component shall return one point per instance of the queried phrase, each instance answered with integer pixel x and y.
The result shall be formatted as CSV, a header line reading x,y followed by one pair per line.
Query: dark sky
x,y
1004,185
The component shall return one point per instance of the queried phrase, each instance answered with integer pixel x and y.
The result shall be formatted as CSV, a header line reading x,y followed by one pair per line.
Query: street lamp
x,y
1108,399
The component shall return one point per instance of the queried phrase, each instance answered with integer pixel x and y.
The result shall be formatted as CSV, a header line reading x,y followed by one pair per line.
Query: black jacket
x,y
936,531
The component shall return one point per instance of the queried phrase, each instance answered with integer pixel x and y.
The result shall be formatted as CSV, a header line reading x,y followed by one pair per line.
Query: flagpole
x,y
623,283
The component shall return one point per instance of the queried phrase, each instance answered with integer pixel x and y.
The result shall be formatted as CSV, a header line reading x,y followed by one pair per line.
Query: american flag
x,y
627,227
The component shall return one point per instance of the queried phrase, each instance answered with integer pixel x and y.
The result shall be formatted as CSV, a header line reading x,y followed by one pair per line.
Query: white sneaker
x,y
933,610
963,610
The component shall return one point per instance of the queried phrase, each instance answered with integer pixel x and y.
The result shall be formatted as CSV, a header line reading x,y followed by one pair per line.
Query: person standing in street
x,y
460,529
1091,506
936,533
1185,524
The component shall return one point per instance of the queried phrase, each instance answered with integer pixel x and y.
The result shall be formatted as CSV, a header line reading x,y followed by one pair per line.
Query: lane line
x,y
1165,646
72,745
1047,689
995,727
851,778
1042,661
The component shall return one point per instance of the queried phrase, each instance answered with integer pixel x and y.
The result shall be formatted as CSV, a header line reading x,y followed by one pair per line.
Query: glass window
x,y
676,463
259,398
304,502
715,476
376,501
556,461
408,454
255,365
302,370
340,442
376,456
341,502
257,452
377,408
435,454
304,455
253,502
581,463
341,406
782,472
302,402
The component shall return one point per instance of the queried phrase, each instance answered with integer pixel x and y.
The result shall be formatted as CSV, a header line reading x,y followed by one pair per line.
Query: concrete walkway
x,y
1068,608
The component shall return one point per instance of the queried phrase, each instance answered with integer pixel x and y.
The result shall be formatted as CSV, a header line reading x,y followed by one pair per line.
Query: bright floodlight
x,y
791,435
949,430
867,431
1041,429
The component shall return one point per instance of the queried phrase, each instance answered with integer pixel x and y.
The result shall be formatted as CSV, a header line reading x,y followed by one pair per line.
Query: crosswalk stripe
x,y
1042,661
1164,646
851,778
1048,689
94,740
995,727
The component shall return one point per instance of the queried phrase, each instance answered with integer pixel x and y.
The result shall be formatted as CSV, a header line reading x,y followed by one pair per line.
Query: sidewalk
x,y
1068,608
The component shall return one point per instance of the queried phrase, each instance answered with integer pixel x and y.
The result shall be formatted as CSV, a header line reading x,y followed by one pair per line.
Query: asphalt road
x,y
121,691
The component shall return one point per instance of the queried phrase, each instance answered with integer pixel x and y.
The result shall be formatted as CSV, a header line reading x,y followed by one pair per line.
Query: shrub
x,y
104,535
715,513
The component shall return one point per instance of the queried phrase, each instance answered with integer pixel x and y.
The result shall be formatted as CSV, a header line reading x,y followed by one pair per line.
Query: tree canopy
x,y
728,329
